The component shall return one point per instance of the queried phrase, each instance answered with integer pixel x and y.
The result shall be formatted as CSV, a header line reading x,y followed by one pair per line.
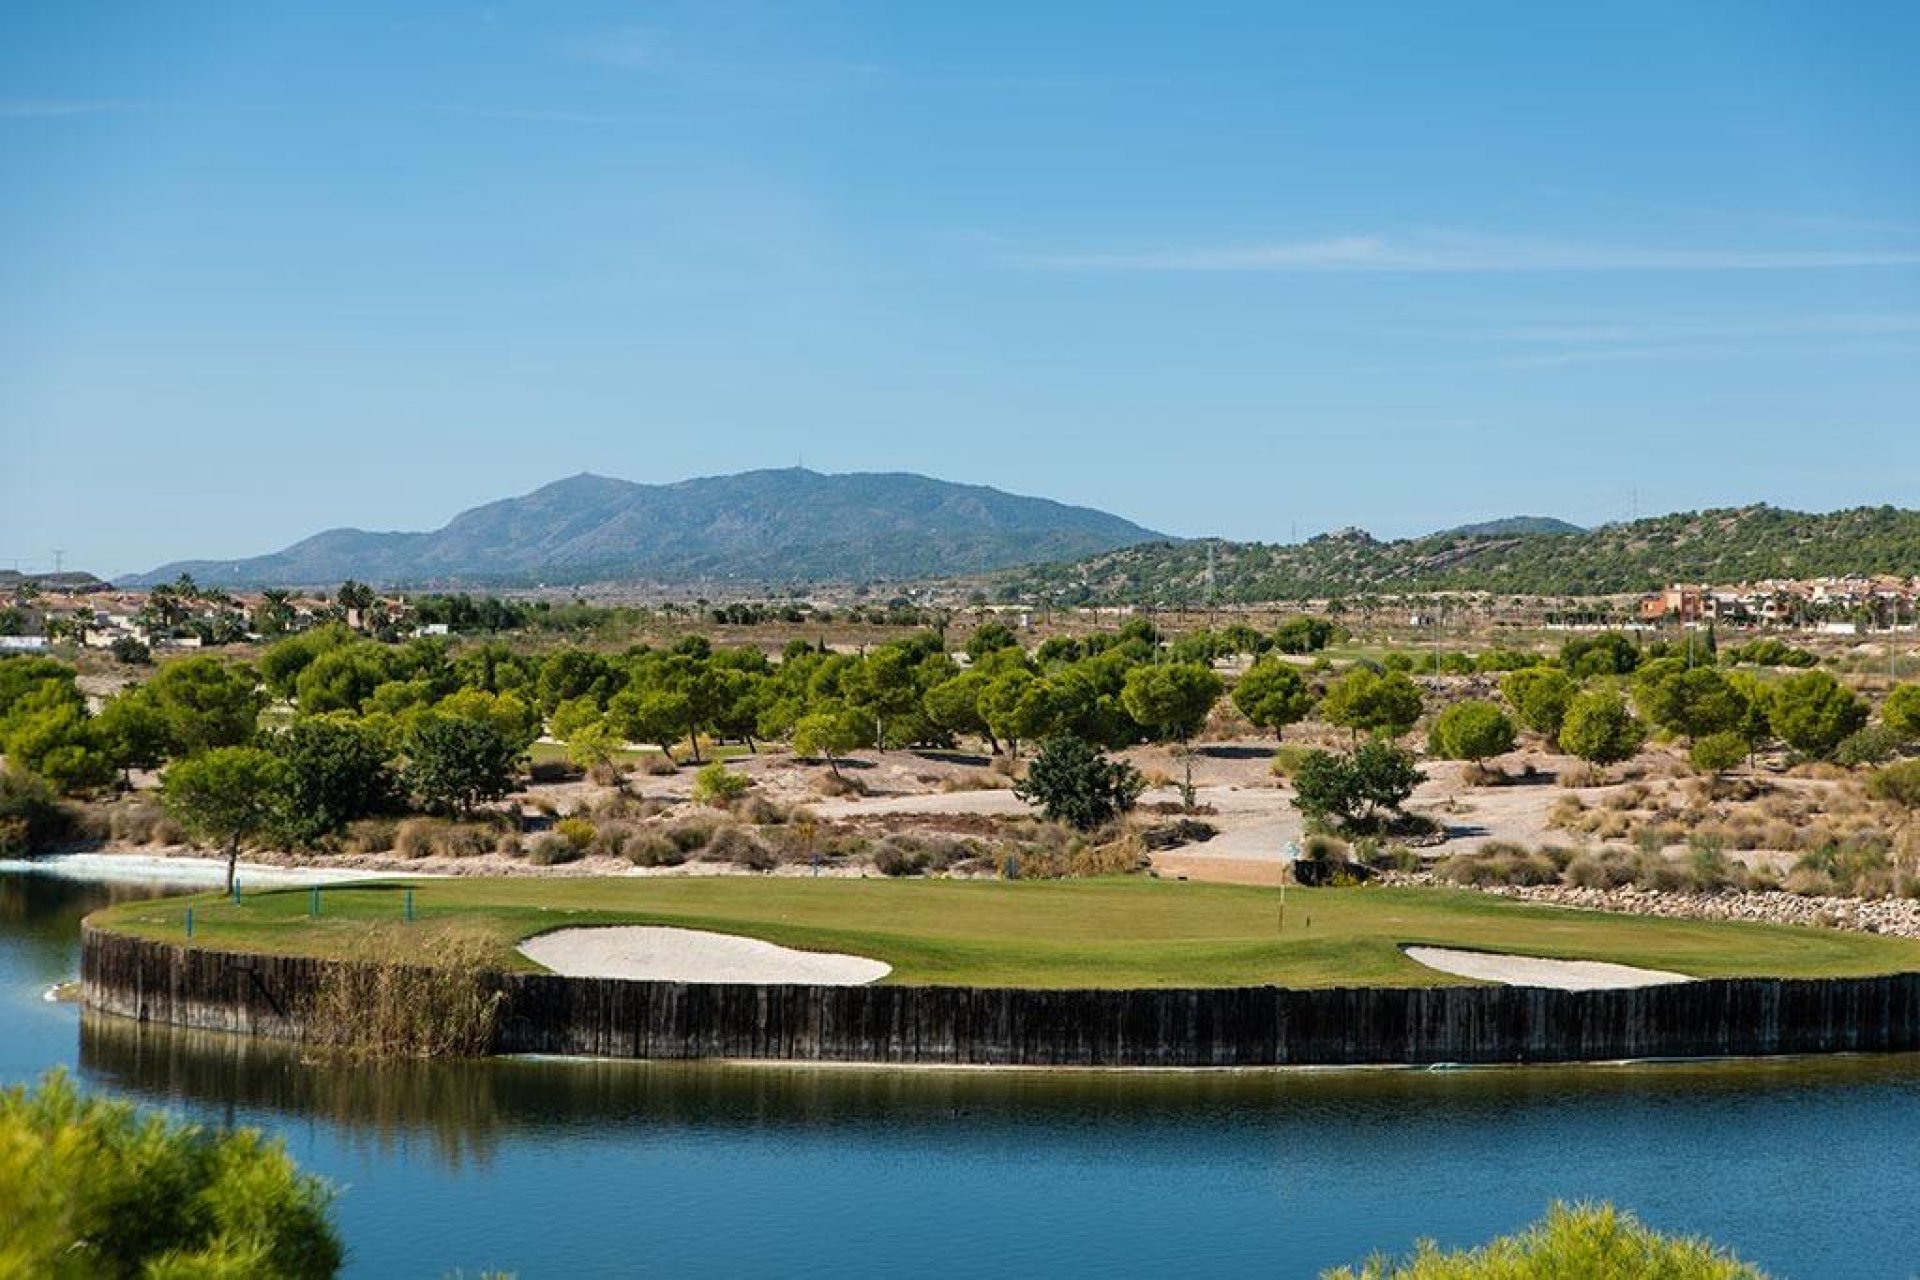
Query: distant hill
x,y
766,527
71,580
1510,526
1731,545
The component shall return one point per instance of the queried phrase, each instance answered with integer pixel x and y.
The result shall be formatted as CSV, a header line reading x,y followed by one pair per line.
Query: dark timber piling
x,y
1007,1026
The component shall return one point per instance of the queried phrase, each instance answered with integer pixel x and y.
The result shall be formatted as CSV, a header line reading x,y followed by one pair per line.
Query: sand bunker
x,y
1536,971
655,954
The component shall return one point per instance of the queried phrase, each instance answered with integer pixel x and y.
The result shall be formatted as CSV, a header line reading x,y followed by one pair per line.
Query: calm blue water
x,y
588,1169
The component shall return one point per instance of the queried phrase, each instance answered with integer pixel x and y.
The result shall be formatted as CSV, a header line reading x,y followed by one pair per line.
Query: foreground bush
x,y
94,1188
1585,1240
31,816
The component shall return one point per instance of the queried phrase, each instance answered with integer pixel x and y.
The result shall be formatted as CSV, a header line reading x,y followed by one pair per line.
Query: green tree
x,y
1272,695
1812,712
989,637
1354,790
455,765
22,675
206,703
1599,729
1171,701
1367,701
95,1188
1303,634
1000,706
345,678
954,705
227,796
1692,703
1901,712
826,735
1074,782
1474,730
337,772
1540,697
1607,654
1718,752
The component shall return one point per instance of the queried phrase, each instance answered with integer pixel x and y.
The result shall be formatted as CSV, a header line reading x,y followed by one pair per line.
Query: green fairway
x,y
1073,933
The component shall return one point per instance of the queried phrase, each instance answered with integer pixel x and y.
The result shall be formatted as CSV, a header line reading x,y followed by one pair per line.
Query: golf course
x,y
1113,933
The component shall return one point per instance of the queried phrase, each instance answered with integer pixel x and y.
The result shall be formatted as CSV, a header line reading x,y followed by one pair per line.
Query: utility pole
x,y
59,559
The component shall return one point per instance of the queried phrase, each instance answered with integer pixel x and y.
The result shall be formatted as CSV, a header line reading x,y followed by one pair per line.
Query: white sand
x,y
655,954
1536,971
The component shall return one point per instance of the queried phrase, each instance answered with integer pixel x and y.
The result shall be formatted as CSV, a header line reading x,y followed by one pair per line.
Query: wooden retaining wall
x,y
1174,1027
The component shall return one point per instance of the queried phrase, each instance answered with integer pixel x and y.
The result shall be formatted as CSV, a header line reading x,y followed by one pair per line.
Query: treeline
x,y
328,726
1721,546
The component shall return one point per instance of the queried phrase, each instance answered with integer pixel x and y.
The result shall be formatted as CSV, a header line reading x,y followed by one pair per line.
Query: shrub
x,y
1288,759
759,811
135,822
1875,744
1499,863
94,1187
658,764
1897,784
370,835
553,771
1717,752
1320,847
896,856
740,846
576,831
692,834
1354,790
831,784
552,849
718,785
431,837
1076,783
652,847
1584,1240
31,816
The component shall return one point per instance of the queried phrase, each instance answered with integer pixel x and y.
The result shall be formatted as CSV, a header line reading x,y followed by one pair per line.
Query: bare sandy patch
x,y
1538,971
652,953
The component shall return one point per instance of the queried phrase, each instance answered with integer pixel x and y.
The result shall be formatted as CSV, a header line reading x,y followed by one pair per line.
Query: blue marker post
x,y
236,892
313,903
189,922
409,906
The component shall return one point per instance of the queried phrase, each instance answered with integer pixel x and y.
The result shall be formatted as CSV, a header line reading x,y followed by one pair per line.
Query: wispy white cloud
x,y
1463,254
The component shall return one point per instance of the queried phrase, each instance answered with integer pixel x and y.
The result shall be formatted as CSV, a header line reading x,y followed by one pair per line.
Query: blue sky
x,y
1249,270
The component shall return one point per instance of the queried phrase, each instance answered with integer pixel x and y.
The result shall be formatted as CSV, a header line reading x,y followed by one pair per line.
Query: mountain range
x,y
1729,545
757,527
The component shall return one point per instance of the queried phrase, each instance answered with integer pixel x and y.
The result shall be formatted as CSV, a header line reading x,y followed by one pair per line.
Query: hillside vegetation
x,y
1721,546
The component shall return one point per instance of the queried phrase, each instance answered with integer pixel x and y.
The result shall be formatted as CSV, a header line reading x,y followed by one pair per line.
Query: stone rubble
x,y
1899,917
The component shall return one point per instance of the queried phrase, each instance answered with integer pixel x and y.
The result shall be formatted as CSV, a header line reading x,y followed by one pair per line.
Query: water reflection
x,y
465,1111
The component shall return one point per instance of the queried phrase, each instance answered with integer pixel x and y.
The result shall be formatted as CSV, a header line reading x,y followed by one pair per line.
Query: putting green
x,y
1070,933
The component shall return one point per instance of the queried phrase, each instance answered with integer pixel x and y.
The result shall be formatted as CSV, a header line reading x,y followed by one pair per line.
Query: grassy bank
x,y
1085,933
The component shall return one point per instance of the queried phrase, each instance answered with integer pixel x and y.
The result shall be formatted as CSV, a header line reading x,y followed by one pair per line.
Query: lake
x,y
562,1168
